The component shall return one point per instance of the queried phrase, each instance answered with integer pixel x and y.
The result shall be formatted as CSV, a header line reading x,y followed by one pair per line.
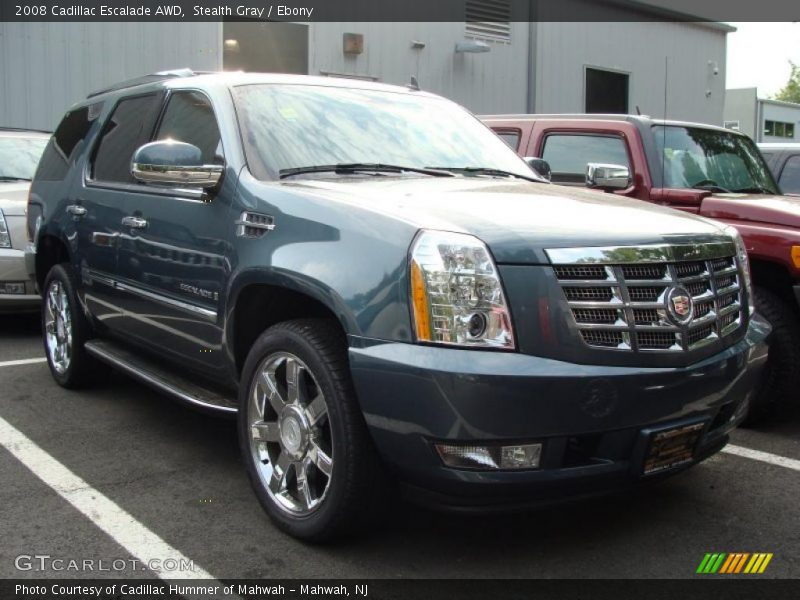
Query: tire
x,y
285,433
65,330
781,375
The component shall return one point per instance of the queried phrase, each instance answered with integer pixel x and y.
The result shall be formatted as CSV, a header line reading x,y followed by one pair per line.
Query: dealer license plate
x,y
671,448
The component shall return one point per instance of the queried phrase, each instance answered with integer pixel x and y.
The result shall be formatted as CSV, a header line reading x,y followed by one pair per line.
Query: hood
x,y
777,210
14,198
515,218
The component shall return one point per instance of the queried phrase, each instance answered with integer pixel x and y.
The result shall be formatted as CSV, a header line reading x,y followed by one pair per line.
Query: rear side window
x,y
129,127
568,155
509,137
190,118
67,142
790,176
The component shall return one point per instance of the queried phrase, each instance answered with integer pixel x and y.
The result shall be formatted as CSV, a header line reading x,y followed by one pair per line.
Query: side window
x,y
128,128
67,142
510,137
790,176
568,155
190,118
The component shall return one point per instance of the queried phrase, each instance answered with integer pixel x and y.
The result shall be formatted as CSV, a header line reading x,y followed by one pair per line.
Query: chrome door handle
x,y
134,222
76,210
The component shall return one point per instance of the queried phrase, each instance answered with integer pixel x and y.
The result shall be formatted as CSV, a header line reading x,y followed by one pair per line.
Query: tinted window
x,y
568,155
19,157
128,128
67,142
189,118
790,176
509,137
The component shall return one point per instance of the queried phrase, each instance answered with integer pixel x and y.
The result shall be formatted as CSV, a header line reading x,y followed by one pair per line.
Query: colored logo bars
x,y
735,562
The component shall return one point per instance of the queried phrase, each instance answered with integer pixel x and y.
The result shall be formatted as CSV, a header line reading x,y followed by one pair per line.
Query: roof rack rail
x,y
151,78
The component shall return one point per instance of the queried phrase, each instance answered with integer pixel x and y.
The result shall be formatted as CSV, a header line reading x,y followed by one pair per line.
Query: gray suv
x,y
385,294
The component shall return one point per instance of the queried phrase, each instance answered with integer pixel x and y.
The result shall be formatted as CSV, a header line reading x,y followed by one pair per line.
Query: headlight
x,y
5,236
456,293
744,261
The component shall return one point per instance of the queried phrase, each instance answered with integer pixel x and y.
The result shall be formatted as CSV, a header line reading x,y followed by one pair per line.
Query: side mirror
x,y
174,162
540,165
607,177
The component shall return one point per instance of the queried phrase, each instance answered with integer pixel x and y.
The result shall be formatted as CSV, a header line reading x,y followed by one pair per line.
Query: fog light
x,y
12,288
490,457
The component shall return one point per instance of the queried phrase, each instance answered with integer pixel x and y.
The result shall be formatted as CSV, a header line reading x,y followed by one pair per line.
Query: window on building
x,y
489,19
790,176
779,129
568,155
190,118
606,91
128,128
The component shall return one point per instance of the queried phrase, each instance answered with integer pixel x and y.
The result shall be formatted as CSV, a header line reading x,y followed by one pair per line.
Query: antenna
x,y
414,85
638,112
664,127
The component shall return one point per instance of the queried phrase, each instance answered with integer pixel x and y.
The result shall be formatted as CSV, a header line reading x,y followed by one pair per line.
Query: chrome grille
x,y
624,306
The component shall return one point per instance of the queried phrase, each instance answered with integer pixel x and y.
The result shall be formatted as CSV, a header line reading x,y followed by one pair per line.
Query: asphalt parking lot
x,y
178,473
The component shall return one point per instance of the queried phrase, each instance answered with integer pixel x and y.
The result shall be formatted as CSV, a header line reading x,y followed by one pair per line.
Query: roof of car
x,y
643,119
184,77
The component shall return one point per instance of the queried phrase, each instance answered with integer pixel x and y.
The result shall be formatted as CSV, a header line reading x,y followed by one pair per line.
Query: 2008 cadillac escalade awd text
x,y
384,292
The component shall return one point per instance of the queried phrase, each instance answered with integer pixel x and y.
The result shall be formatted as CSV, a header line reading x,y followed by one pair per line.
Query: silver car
x,y
20,151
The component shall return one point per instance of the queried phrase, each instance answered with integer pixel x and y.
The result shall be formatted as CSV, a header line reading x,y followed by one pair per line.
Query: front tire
x,y
782,372
302,435
65,330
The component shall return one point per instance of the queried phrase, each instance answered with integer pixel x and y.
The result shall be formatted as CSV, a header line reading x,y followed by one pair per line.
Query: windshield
x,y
19,157
706,158
293,126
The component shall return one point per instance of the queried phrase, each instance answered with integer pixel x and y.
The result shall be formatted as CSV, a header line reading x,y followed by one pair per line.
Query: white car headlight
x,y
456,293
744,261
5,236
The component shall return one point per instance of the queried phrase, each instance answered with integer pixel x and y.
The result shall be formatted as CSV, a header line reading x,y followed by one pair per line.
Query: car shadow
x,y
18,326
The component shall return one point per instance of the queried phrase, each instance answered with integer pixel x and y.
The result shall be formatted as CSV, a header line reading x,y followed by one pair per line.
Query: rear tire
x,y
65,330
781,376
302,435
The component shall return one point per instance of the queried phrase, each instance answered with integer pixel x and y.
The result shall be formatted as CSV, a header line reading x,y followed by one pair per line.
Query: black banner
x,y
745,587
398,10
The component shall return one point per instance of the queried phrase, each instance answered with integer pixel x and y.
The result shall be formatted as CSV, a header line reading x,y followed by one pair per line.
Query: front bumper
x,y
13,269
589,418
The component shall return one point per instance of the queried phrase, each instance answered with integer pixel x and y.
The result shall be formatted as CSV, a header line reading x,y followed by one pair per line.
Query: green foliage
x,y
791,91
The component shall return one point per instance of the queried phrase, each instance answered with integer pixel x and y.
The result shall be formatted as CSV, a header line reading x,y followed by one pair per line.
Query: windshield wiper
x,y
755,189
348,168
10,178
712,188
489,171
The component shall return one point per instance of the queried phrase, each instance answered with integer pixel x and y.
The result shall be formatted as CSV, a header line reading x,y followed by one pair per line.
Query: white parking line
x,y
137,539
24,361
773,459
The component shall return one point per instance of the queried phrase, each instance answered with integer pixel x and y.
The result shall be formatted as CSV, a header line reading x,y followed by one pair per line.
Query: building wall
x,y
493,81
46,67
783,113
563,50
740,105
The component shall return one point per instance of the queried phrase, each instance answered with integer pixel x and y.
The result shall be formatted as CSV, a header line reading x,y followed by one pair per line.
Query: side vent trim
x,y
254,225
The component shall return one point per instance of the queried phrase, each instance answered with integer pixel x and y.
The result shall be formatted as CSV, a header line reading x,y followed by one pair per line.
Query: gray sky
x,y
759,54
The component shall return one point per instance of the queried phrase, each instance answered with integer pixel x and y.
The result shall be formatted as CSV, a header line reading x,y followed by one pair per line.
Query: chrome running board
x,y
150,373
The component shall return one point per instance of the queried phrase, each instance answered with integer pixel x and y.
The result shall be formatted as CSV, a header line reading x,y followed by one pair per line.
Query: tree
x,y
791,91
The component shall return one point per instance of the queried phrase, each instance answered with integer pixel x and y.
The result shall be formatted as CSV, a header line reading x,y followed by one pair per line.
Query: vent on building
x,y
489,19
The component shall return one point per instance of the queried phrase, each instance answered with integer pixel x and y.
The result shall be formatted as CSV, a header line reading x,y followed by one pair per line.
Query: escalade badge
x,y
680,305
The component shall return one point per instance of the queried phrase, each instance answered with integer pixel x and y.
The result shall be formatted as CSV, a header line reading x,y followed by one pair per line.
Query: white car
x,y
20,151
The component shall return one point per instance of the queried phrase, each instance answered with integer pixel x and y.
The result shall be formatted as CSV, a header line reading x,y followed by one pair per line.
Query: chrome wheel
x,y
290,434
58,326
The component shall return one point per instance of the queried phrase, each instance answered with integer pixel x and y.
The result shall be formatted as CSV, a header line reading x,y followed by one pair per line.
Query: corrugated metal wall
x,y
46,67
494,81
565,49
